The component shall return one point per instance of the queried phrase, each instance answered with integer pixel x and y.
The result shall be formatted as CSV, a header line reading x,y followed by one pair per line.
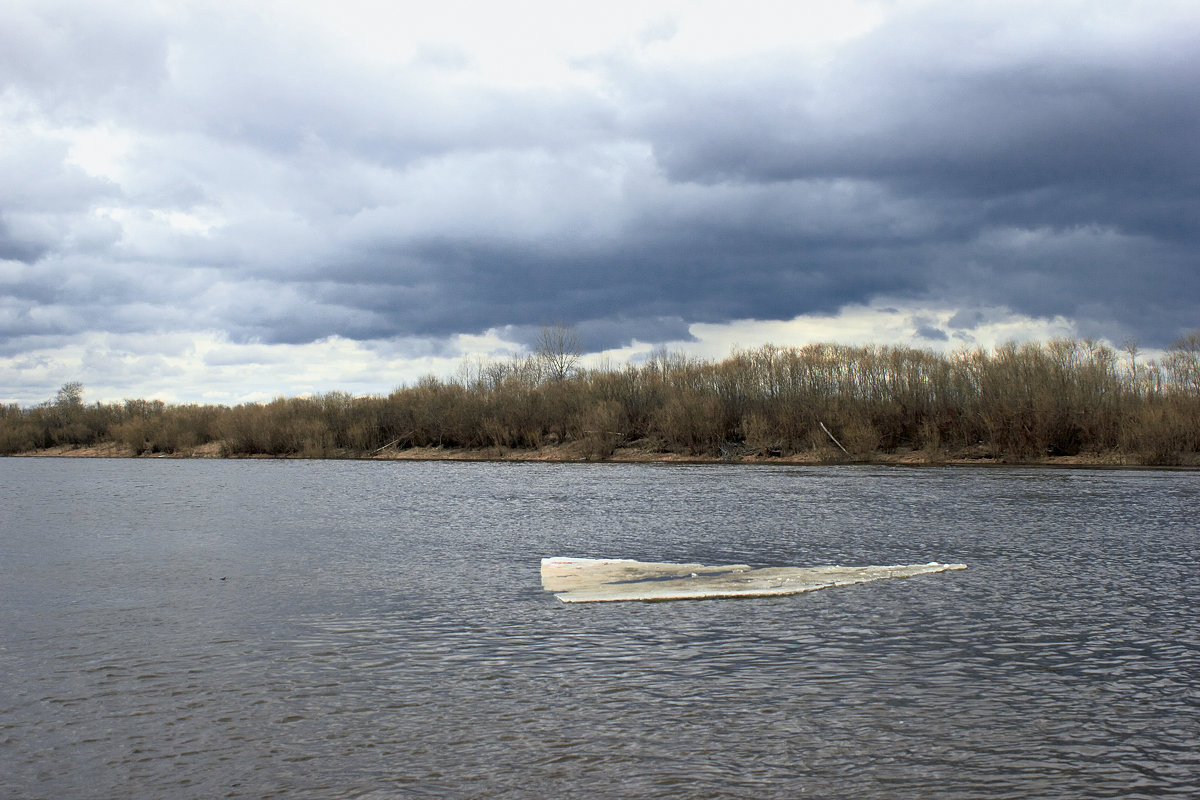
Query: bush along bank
x,y
1016,403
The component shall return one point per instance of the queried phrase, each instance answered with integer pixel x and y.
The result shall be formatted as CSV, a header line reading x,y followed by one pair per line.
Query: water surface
x,y
306,629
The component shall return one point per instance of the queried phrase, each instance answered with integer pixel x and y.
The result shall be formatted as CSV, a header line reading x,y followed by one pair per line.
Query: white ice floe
x,y
597,580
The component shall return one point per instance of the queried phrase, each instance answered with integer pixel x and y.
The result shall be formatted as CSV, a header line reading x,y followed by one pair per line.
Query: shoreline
x,y
568,454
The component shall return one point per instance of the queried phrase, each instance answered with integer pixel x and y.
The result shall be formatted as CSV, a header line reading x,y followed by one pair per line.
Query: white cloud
x,y
876,324
99,150
539,42
206,367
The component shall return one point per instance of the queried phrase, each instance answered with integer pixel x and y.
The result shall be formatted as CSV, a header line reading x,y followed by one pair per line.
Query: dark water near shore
x,y
207,629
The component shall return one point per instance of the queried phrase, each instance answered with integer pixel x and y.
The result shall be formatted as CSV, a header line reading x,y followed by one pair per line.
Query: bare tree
x,y
69,396
1183,361
559,349
1131,347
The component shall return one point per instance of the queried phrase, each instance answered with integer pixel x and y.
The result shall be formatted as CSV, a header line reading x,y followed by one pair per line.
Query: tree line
x,y
1017,403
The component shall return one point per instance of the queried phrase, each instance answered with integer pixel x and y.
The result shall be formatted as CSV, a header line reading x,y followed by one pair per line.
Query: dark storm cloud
x,y
941,102
958,157
1093,145
1057,178
675,272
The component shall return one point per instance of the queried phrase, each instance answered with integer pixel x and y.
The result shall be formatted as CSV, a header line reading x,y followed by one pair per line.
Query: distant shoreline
x,y
1061,403
568,454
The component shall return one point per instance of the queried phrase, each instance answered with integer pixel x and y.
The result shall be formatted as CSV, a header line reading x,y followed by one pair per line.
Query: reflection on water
x,y
323,629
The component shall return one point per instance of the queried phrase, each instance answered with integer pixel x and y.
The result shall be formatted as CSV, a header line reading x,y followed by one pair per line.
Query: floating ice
x,y
597,580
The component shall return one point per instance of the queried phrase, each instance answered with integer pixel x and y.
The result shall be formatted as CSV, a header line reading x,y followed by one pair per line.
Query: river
x,y
326,629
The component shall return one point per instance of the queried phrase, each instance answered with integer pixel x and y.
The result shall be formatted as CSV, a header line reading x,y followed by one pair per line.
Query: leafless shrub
x,y
1016,402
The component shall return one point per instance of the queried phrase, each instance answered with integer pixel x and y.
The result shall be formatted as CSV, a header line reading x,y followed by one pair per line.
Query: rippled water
x,y
184,629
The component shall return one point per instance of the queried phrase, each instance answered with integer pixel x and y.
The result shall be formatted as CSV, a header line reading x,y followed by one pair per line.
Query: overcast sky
x,y
219,202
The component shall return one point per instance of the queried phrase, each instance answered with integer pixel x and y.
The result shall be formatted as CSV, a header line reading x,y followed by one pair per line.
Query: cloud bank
x,y
400,179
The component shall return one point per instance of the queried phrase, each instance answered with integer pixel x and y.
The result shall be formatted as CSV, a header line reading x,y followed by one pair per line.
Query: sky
x,y
222,202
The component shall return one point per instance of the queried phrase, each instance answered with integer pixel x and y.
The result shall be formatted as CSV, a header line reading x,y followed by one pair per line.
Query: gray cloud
x,y
937,101
63,57
1090,145
954,157
14,249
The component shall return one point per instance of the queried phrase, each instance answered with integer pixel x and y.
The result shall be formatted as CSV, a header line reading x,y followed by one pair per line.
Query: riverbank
x,y
632,454
1063,402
